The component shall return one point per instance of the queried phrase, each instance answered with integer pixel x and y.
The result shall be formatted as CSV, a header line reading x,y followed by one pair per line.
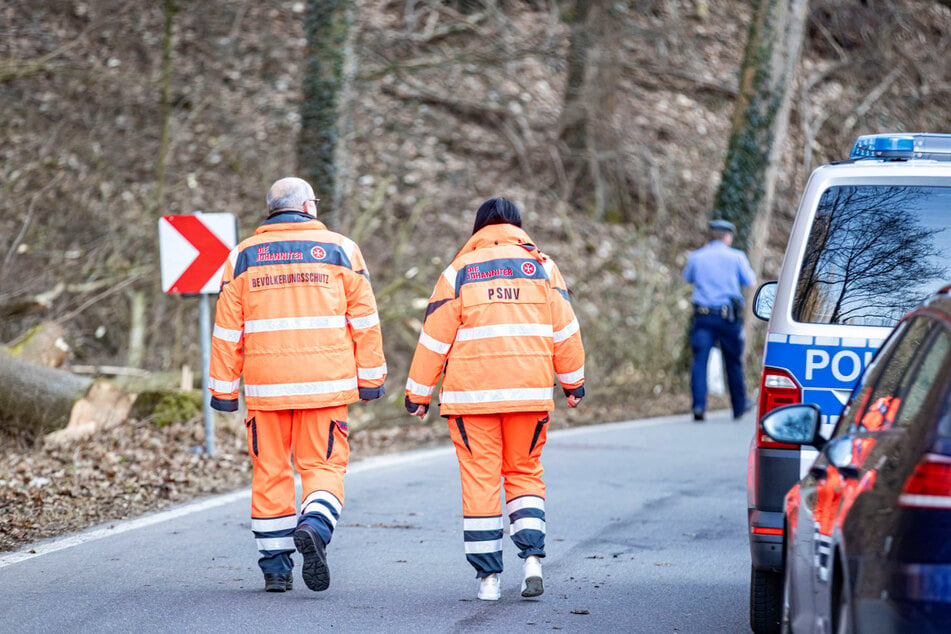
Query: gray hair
x,y
289,194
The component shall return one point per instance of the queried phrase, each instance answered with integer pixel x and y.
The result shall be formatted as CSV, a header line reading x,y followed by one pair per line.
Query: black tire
x,y
766,601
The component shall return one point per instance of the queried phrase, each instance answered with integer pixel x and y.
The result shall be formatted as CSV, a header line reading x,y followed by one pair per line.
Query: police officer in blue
x,y
718,273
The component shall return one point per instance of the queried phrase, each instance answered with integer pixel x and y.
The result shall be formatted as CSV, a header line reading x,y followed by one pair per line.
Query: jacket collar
x,y
286,220
493,235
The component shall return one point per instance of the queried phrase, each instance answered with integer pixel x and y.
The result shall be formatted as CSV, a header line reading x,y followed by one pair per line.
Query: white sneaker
x,y
490,587
532,585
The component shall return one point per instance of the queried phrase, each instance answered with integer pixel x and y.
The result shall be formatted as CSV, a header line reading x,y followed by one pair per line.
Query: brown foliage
x,y
453,103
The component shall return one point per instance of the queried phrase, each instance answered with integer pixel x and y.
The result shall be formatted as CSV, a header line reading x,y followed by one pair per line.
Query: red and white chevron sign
x,y
194,249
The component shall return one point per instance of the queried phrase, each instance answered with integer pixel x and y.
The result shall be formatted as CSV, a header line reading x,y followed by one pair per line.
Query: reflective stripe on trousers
x,y
318,439
492,448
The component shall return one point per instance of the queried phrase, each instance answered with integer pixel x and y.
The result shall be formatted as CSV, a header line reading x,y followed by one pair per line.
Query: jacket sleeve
x,y
364,322
569,350
689,275
227,341
436,337
747,276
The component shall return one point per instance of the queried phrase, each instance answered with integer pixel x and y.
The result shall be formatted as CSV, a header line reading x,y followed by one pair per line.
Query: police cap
x,y
723,225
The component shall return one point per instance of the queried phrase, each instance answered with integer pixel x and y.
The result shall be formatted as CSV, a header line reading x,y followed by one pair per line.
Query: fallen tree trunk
x,y
39,399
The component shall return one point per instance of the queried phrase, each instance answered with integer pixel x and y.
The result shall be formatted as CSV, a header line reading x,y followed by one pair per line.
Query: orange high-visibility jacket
x,y
499,321
297,315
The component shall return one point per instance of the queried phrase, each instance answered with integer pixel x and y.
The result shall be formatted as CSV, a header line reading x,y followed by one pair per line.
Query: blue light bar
x,y
936,147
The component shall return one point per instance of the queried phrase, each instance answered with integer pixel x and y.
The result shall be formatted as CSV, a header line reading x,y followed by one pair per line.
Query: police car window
x,y
874,252
927,372
875,405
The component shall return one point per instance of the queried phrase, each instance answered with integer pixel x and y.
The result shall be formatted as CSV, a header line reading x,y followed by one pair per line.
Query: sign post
x,y
194,249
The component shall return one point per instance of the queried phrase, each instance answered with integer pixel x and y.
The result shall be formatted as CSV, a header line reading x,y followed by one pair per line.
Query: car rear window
x,y
874,253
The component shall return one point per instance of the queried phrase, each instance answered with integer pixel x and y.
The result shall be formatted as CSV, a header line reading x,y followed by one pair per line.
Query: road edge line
x,y
368,464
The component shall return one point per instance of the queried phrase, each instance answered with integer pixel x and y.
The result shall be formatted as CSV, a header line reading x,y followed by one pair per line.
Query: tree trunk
x,y
165,86
327,27
64,406
41,399
760,122
591,151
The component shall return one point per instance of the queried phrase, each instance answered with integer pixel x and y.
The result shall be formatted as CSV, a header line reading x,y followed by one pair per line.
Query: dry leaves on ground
x,y
137,468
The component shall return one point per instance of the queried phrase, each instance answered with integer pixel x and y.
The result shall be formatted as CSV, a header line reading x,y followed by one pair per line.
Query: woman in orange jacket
x,y
297,317
500,324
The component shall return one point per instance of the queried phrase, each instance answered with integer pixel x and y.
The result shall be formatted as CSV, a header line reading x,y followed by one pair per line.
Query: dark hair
x,y
497,211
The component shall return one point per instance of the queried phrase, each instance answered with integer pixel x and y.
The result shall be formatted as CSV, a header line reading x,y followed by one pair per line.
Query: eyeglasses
x,y
316,201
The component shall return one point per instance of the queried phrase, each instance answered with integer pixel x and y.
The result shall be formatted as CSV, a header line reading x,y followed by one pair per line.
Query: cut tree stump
x,y
65,407
40,400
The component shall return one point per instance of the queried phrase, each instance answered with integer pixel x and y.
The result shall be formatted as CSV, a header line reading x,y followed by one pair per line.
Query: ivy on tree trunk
x,y
326,26
760,120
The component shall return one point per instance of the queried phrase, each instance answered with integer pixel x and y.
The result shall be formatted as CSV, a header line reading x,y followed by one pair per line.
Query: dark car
x,y
867,531
871,239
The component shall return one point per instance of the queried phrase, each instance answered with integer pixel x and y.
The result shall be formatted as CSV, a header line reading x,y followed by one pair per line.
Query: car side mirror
x,y
763,300
797,424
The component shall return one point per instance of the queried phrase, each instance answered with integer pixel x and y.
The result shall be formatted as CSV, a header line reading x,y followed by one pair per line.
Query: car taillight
x,y
777,388
930,485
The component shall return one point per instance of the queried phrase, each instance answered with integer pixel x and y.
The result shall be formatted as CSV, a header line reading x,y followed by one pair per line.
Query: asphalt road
x,y
646,533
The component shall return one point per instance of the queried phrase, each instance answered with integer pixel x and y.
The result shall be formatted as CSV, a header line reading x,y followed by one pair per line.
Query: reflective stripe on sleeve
x,y
495,396
368,374
227,334
433,344
294,323
223,386
572,377
566,332
348,247
300,389
450,274
418,389
504,330
360,323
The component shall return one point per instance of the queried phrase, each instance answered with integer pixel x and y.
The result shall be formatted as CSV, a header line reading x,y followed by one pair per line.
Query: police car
x,y
871,240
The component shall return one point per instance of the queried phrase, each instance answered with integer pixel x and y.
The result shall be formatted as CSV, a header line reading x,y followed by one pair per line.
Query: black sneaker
x,y
315,572
698,415
278,581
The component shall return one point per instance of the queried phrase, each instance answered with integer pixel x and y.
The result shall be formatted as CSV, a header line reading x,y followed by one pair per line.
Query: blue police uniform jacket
x,y
718,273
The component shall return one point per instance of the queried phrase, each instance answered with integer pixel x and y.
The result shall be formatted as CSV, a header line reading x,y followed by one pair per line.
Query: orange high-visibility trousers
x,y
492,449
318,439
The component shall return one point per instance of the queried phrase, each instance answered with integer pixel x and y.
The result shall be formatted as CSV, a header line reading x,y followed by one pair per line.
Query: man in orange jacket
x,y
297,316
499,322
